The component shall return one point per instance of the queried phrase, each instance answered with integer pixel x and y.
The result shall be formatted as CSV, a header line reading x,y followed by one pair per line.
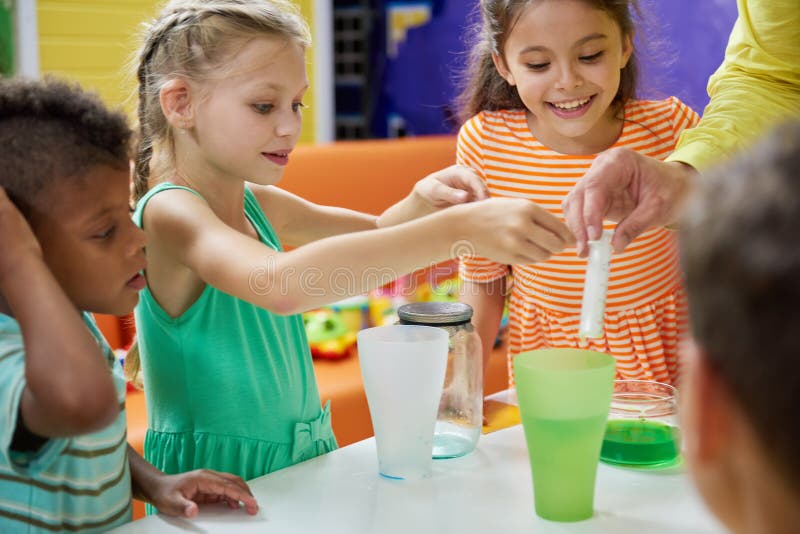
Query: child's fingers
x,y
190,508
207,499
553,224
531,252
547,239
178,505
538,244
470,180
234,479
450,195
228,490
441,194
454,185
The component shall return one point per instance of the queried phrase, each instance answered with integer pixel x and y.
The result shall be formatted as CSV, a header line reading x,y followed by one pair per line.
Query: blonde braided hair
x,y
194,40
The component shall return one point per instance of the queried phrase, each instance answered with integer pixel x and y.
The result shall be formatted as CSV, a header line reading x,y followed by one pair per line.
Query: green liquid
x,y
639,442
563,456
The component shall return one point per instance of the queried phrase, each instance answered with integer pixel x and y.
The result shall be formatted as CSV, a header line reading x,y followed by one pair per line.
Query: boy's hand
x,y
453,185
179,495
16,237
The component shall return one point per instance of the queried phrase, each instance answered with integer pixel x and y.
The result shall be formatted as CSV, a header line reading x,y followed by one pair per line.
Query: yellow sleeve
x,y
756,87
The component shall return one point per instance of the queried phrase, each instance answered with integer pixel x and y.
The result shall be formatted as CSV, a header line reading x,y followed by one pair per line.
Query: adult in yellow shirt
x,y
757,86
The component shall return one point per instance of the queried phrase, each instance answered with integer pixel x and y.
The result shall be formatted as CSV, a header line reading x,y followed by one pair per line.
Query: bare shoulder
x,y
174,221
173,209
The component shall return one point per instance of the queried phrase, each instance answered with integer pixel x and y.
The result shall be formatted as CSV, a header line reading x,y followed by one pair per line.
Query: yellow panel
x,y
307,135
93,41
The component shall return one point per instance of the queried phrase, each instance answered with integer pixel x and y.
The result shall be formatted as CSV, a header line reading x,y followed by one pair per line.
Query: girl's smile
x,y
571,109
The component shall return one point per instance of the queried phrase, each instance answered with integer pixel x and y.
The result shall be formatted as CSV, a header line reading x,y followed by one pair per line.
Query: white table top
x,y
489,490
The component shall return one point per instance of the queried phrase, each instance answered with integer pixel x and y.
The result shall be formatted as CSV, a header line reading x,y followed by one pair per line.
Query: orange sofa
x,y
368,176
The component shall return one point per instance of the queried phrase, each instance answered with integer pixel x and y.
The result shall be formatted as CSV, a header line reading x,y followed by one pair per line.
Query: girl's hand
x,y
16,237
456,184
513,230
179,495
453,185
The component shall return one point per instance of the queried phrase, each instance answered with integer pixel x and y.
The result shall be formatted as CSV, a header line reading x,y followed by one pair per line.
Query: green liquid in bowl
x,y
639,442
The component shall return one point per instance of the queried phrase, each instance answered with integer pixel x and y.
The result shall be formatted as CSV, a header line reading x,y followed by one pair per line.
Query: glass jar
x,y
460,417
642,428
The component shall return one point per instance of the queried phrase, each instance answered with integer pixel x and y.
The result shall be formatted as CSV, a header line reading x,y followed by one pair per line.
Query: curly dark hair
x,y
740,252
52,130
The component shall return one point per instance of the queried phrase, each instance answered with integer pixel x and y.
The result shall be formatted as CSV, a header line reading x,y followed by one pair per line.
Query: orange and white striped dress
x,y
646,309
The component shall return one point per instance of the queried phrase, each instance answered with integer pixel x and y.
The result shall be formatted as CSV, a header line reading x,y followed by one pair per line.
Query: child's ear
x,y
176,103
627,49
710,419
500,65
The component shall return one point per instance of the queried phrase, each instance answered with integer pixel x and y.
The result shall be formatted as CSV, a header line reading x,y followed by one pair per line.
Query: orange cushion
x,y
367,176
137,427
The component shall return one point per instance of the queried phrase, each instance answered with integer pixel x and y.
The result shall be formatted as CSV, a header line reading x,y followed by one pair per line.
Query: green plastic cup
x,y
564,396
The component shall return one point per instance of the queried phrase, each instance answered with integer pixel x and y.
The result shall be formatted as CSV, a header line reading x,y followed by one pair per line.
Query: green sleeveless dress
x,y
229,386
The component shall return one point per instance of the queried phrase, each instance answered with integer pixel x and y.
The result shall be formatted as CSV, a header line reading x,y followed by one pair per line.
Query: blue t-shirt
x,y
80,483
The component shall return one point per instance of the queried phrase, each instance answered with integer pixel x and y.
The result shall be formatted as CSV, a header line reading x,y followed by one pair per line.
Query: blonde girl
x,y
226,364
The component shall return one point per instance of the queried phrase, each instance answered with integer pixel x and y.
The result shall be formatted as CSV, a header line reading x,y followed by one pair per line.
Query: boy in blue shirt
x,y
68,248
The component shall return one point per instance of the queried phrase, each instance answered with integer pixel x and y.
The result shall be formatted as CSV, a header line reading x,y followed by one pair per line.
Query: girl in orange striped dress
x,y
549,86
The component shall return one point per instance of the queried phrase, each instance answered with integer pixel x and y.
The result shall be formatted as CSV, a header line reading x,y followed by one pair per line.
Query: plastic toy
x,y
353,311
328,336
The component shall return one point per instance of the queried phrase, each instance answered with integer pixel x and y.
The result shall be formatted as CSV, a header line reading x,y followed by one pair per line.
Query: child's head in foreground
x,y
65,164
740,250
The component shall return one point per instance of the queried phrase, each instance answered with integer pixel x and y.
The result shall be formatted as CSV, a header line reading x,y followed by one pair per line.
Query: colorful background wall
x,y
680,43
378,68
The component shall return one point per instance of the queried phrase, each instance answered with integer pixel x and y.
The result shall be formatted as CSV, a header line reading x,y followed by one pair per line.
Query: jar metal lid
x,y
438,313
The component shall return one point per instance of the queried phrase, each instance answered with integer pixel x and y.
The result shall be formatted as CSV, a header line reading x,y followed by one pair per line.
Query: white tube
x,y
593,306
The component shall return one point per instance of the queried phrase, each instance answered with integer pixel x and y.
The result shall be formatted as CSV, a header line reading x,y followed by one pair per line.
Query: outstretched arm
x,y
69,389
298,221
507,230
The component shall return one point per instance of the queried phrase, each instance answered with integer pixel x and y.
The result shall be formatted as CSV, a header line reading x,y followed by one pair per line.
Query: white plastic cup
x,y
403,369
593,306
